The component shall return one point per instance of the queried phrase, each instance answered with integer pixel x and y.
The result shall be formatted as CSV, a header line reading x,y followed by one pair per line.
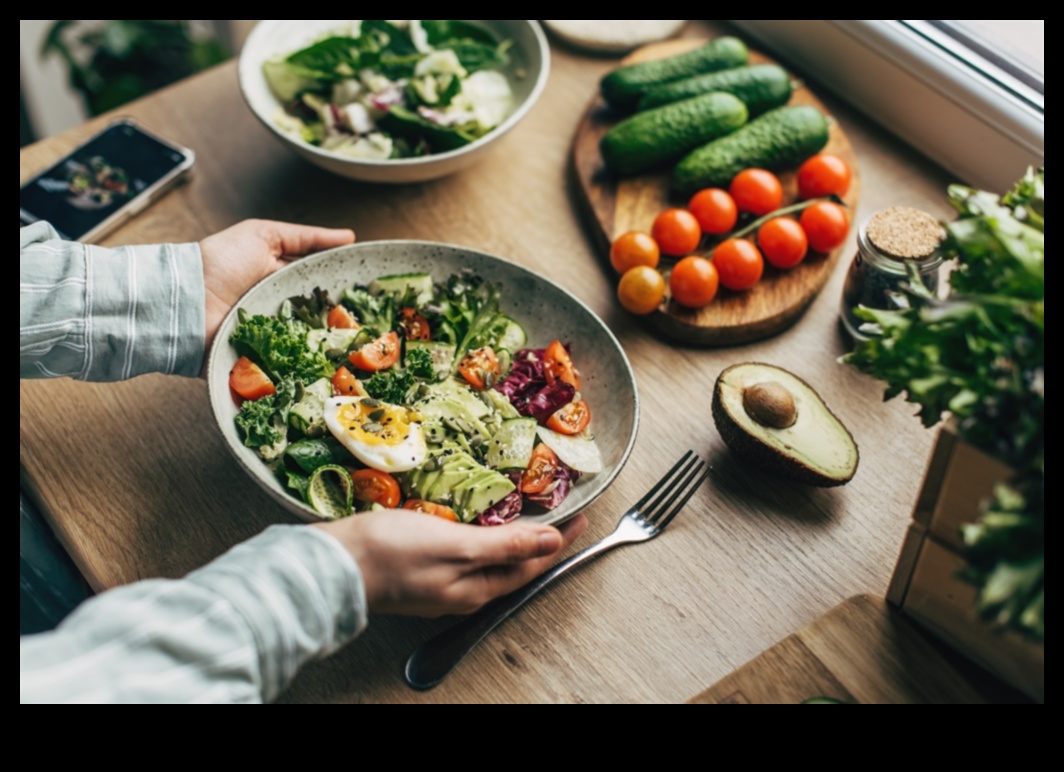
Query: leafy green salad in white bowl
x,y
399,100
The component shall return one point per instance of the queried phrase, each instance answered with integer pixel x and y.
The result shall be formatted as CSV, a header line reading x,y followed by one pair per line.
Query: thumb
x,y
289,240
512,544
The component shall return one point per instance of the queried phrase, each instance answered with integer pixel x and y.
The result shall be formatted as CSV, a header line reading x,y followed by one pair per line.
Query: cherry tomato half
x,y
480,369
571,419
757,191
739,264
677,232
694,282
783,242
826,225
249,381
373,487
431,508
347,385
824,175
415,326
541,470
641,291
558,366
632,250
378,355
715,211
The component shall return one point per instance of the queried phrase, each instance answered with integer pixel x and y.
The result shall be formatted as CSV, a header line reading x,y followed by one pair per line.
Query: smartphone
x,y
109,179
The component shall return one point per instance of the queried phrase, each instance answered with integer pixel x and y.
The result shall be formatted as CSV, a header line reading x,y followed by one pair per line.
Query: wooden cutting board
x,y
862,653
616,206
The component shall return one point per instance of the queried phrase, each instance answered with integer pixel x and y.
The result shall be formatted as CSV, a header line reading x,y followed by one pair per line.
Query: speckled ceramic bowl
x,y
544,309
528,72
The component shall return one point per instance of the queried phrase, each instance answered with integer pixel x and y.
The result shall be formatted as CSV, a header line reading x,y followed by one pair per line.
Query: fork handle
x,y
434,661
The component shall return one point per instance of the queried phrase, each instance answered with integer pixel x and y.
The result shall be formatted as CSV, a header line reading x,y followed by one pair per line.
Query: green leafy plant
x,y
980,357
114,61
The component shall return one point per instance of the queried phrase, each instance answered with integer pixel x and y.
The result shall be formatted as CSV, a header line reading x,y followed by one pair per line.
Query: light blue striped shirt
x,y
236,631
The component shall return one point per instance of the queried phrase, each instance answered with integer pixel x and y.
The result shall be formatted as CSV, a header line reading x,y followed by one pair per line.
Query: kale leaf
x,y
280,347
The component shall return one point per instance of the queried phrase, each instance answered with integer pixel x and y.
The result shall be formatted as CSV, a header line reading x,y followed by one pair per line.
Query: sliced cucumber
x,y
513,337
442,356
500,403
580,453
511,447
331,492
421,283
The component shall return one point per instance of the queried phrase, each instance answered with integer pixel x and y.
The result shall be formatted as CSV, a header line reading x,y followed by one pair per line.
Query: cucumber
x,y
513,337
654,138
511,447
442,356
779,139
421,283
623,88
762,87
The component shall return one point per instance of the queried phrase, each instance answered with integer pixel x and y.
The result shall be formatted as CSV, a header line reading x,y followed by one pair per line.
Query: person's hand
x,y
238,258
417,565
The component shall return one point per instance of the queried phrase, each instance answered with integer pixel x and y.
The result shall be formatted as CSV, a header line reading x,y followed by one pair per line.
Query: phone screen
x,y
92,184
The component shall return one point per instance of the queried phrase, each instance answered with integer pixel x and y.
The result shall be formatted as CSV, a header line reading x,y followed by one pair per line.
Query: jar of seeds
x,y
887,245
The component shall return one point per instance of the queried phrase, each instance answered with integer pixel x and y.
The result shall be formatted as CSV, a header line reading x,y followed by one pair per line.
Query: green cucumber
x,y
513,337
511,447
421,283
623,88
780,139
654,138
762,87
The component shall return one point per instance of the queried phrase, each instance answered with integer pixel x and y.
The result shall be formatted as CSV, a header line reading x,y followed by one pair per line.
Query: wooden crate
x,y
926,585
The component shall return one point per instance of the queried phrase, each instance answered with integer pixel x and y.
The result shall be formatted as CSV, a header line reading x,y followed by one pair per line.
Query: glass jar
x,y
888,243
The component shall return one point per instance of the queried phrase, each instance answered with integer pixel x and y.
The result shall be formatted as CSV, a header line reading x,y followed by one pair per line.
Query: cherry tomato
x,y
757,191
783,242
415,326
571,419
641,291
347,385
342,319
826,225
634,249
715,210
431,508
541,470
373,487
694,282
739,264
677,232
249,381
824,175
378,355
480,369
558,366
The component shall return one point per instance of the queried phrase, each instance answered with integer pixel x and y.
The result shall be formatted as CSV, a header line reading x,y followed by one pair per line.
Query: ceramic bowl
x,y
528,72
546,311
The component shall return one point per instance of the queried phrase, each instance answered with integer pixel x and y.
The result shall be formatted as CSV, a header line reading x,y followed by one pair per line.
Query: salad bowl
x,y
527,72
546,311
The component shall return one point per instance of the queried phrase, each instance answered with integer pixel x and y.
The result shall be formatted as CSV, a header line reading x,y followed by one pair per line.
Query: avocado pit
x,y
771,405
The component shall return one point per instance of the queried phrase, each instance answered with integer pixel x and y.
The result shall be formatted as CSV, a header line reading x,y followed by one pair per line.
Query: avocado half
x,y
777,421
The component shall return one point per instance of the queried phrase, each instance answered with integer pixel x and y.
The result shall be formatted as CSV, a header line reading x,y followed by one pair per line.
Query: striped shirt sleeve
x,y
236,631
98,314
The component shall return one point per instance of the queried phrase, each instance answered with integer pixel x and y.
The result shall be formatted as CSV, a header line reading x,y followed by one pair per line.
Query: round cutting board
x,y
616,206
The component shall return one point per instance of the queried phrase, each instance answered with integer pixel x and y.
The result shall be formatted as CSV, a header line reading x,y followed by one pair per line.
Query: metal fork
x,y
434,661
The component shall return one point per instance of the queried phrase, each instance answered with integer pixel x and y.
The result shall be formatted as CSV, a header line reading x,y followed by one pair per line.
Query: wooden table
x,y
143,487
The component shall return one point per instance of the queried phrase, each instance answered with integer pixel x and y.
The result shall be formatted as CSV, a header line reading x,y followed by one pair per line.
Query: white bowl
x,y
546,311
528,72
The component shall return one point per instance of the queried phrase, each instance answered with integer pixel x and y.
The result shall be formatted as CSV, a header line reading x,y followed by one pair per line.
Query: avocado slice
x,y
776,420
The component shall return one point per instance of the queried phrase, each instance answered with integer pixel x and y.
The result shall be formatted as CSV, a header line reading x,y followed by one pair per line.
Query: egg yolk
x,y
374,425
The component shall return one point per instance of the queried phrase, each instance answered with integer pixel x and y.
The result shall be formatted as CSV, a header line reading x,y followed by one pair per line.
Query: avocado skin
x,y
756,452
623,88
654,138
780,139
761,88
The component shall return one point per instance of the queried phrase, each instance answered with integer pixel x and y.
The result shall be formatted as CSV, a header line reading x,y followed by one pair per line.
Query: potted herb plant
x,y
978,360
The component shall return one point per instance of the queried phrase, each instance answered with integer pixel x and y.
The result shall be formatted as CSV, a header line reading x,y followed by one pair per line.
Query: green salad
x,y
411,393
400,88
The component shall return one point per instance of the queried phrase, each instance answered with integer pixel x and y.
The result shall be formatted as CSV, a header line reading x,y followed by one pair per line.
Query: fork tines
x,y
673,492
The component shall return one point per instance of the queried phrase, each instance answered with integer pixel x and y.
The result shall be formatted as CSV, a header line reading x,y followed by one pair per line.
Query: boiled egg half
x,y
382,436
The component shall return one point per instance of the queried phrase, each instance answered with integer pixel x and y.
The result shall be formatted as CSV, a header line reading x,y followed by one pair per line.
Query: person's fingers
x,y
511,544
290,240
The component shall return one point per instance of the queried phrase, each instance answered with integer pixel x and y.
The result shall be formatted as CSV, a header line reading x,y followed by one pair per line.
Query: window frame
x,y
985,130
